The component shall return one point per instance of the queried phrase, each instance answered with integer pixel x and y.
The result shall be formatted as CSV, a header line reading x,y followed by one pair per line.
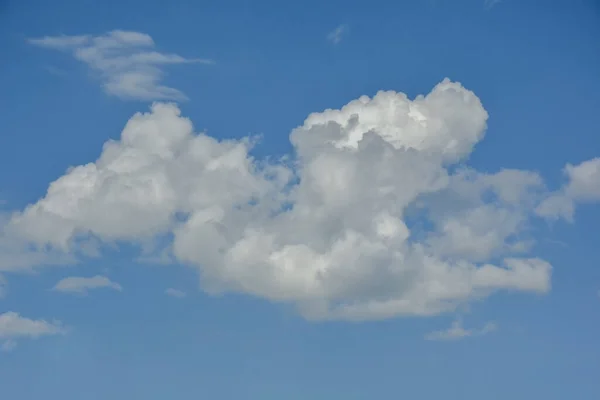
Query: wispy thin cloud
x,y
456,332
491,3
126,62
81,285
55,71
338,34
175,293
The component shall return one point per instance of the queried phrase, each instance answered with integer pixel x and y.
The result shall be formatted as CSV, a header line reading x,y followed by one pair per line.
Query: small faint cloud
x,y
163,257
126,61
3,285
8,346
556,242
456,332
13,327
338,34
175,293
55,71
491,3
81,285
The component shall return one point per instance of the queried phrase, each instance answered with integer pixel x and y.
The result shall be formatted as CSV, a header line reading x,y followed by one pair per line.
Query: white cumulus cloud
x,y
125,61
81,285
14,327
583,186
374,215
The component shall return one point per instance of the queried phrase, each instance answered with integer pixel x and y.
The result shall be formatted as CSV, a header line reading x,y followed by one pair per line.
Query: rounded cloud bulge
x,y
374,215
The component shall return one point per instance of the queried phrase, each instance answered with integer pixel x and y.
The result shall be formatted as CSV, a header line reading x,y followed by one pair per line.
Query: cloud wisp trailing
x,y
81,285
126,62
374,215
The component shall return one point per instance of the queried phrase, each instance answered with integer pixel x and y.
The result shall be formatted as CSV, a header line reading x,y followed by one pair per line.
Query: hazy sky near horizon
x,y
311,200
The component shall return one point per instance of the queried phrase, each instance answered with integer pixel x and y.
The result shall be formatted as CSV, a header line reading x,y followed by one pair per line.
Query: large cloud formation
x,y
374,215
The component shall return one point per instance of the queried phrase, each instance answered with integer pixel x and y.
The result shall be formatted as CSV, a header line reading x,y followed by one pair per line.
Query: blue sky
x,y
105,327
